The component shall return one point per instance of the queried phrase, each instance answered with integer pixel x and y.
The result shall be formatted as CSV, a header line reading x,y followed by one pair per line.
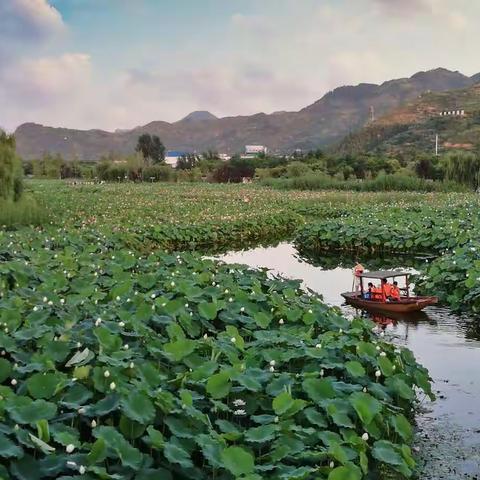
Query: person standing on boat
x,y
357,271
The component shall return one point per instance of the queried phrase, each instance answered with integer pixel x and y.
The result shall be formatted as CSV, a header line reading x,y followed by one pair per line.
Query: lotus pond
x,y
120,359
119,365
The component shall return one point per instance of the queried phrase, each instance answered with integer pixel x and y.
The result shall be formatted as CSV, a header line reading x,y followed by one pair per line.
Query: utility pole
x,y
436,144
372,113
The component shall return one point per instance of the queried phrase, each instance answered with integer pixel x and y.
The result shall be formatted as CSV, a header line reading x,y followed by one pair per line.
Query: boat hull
x,y
404,305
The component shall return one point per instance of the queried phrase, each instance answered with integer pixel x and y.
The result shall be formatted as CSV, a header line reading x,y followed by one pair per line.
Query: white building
x,y
452,113
255,149
172,156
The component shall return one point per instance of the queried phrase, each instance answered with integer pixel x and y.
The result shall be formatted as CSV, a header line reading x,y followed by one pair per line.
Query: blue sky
x,y
120,63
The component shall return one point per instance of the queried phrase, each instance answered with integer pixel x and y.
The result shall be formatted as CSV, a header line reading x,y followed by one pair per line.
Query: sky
x,y
121,63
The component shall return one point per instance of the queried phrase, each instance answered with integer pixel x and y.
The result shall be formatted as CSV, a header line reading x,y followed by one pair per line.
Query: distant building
x,y
255,149
452,113
224,156
172,156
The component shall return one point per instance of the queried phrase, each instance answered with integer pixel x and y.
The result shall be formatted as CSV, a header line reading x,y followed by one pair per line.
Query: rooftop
x,y
384,274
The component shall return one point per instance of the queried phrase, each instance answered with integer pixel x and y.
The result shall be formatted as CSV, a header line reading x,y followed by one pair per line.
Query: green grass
x,y
382,183
26,211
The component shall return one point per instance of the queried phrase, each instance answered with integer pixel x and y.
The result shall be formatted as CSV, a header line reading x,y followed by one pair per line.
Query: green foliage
x,y
393,228
178,376
151,147
382,183
463,168
11,172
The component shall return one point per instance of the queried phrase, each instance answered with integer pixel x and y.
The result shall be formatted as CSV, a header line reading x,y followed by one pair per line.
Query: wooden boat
x,y
407,303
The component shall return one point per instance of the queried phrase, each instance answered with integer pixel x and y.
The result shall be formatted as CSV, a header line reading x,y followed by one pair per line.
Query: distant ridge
x,y
325,122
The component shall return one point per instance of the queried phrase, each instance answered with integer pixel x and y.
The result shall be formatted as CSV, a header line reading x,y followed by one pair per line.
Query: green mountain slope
x,y
415,125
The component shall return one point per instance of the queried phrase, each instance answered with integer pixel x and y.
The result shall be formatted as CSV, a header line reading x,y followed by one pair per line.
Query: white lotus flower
x,y
239,402
35,308
70,448
281,321
106,373
383,354
332,464
272,363
230,299
93,424
364,390
365,437
13,382
378,373
233,339
172,284
113,386
322,372
240,412
272,369
131,365
121,324
45,299
82,470
318,345
310,311
205,336
126,347
81,410
242,309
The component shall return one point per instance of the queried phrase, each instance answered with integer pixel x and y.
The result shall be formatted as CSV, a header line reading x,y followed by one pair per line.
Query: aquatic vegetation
x,y
398,229
120,365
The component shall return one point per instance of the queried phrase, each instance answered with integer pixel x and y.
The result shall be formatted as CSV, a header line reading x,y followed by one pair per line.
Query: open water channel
x,y
447,442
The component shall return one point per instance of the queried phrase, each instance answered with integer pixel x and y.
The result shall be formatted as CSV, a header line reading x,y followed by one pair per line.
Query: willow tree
x,y
11,172
463,168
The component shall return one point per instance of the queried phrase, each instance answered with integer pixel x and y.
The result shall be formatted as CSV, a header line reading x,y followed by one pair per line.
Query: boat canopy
x,y
381,274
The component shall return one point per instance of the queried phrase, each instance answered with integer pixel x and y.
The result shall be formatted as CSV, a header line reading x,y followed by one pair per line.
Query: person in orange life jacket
x,y
377,294
386,289
395,292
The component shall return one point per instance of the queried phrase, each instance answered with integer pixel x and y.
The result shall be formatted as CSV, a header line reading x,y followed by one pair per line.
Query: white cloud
x,y
29,20
45,89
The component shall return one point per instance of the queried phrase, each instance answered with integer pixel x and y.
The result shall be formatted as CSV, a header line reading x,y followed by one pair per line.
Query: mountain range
x,y
324,123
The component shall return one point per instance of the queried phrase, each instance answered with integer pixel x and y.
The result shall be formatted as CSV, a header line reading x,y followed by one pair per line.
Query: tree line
x,y
147,164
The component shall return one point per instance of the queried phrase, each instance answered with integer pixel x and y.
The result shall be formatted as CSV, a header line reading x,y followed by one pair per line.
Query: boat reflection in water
x,y
392,320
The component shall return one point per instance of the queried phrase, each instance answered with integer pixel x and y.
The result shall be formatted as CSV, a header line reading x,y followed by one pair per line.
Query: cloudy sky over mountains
x,y
119,63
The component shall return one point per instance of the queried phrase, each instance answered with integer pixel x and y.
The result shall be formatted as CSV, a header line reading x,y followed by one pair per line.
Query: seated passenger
x,y
368,295
395,292
387,288
378,294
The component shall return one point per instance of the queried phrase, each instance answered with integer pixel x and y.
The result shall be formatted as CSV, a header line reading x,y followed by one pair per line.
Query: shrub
x,y
11,172
158,173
